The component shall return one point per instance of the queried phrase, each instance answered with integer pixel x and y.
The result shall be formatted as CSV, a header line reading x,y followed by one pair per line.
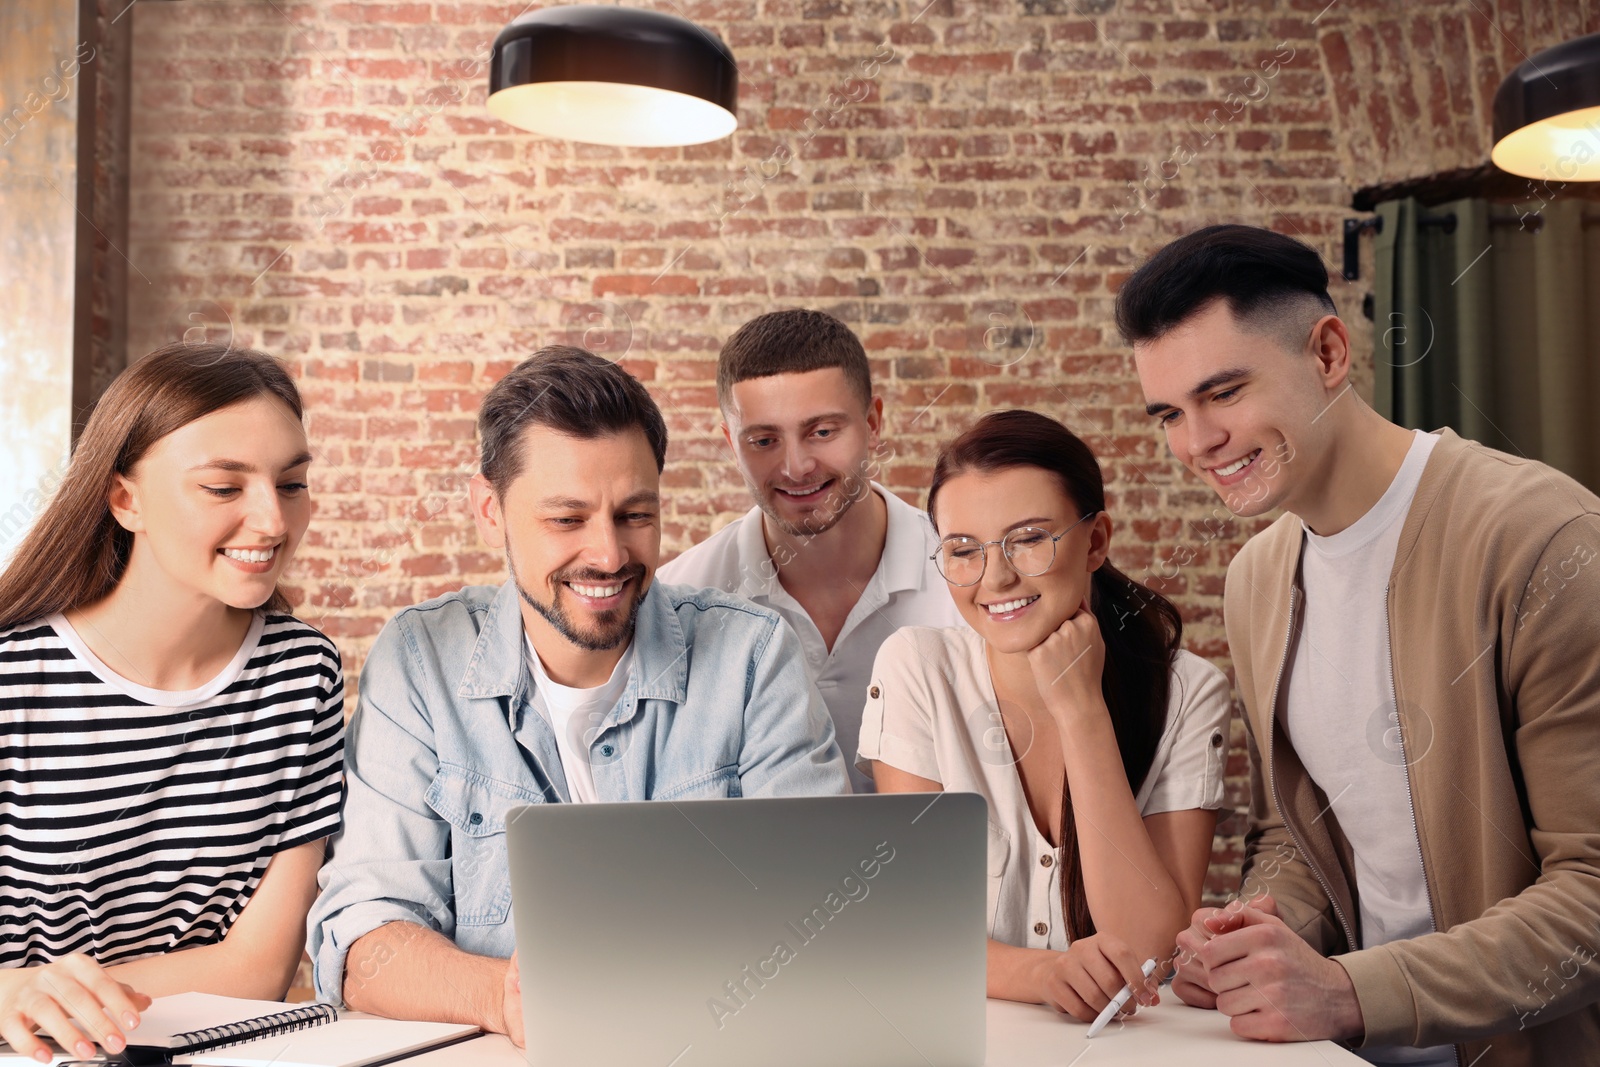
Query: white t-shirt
x,y
1343,724
905,590
575,716
931,711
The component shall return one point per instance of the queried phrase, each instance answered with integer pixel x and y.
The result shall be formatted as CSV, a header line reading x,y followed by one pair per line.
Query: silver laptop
x,y
843,930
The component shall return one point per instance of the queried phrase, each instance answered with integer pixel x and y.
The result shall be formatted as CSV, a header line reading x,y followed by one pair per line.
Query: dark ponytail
x,y
1141,628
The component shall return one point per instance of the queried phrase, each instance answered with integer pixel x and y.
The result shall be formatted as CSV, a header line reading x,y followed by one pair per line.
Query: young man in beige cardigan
x,y
1417,642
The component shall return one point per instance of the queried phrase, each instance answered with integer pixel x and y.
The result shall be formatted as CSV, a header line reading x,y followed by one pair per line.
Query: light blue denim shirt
x,y
446,741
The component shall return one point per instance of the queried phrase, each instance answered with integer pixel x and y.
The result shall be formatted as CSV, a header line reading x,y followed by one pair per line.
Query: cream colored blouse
x,y
931,711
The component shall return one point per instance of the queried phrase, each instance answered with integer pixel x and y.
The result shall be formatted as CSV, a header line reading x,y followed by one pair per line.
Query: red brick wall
x,y
966,184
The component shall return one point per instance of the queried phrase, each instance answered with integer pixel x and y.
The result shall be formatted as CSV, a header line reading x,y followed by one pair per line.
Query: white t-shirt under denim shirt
x,y
574,716
1342,721
931,711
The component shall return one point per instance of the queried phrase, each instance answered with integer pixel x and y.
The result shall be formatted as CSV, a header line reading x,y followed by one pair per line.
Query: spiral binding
x,y
284,1022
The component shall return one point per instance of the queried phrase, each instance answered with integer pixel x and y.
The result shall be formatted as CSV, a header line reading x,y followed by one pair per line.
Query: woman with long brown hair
x,y
172,737
1069,705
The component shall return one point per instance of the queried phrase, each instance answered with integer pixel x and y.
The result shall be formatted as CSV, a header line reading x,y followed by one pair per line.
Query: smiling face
x,y
581,529
220,505
1012,612
1242,409
803,443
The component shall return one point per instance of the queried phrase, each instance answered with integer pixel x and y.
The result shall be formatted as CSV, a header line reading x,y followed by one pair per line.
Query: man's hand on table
x,y
1245,962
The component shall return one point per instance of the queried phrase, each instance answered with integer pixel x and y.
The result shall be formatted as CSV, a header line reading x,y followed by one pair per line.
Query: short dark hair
x,y
792,341
572,392
1269,281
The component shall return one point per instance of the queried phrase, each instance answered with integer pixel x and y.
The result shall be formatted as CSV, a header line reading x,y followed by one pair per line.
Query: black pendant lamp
x,y
1547,114
613,75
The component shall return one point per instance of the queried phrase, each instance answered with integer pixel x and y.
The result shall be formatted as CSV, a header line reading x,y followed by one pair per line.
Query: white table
x,y
1025,1035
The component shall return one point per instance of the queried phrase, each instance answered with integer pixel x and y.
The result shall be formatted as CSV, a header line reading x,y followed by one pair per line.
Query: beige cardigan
x,y
1494,624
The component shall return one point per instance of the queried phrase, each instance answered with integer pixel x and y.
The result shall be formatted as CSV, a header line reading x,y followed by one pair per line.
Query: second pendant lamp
x,y
1547,114
614,76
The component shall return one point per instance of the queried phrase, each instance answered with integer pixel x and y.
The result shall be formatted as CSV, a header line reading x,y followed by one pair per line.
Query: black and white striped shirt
x,y
135,821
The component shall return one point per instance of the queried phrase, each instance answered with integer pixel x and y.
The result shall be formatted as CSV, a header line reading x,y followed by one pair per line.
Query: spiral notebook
x,y
204,1030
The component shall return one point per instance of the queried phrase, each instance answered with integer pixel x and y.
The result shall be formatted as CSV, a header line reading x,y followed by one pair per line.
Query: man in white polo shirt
x,y
842,559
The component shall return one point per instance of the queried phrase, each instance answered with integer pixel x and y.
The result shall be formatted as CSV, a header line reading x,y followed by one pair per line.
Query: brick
x,y
427,258
641,284
1320,141
948,66
379,371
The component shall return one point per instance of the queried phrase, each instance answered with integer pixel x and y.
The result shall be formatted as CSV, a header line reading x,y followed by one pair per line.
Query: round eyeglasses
x,y
1029,549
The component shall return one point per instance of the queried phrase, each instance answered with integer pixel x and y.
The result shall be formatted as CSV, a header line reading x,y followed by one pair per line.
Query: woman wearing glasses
x,y
1097,742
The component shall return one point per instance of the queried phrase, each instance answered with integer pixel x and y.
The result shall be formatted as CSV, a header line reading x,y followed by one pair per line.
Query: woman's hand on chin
x,y
1067,665
55,996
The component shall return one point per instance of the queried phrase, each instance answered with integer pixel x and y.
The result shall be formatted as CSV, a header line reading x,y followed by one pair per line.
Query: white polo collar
x,y
907,544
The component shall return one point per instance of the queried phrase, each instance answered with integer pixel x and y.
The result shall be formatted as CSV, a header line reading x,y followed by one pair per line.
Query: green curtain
x,y
1487,329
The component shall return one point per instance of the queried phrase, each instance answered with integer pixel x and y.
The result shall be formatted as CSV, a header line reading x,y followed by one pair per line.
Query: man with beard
x,y
578,680
842,559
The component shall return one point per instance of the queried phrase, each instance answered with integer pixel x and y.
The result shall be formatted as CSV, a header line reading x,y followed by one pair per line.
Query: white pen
x,y
1118,1001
